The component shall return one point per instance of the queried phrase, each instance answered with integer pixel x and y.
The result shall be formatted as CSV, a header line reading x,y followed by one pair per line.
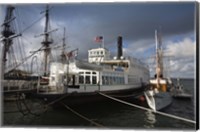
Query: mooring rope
x,y
81,116
125,96
56,100
143,108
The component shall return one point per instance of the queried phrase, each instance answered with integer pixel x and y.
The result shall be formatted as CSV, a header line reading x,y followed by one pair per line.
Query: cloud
x,y
182,63
182,48
139,48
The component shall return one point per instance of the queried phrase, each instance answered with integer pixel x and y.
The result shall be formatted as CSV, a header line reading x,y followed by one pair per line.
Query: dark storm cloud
x,y
131,20
134,21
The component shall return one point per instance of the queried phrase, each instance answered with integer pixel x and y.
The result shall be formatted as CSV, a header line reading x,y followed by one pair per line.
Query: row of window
x,y
109,80
96,52
87,72
106,80
92,56
87,80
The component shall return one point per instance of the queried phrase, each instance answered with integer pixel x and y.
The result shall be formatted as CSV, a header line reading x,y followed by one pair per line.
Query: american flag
x,y
99,39
72,53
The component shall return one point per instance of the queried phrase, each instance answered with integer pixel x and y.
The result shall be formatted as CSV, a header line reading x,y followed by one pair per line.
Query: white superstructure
x,y
98,55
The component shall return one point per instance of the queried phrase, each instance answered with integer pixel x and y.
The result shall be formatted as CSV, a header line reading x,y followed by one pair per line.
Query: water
x,y
108,113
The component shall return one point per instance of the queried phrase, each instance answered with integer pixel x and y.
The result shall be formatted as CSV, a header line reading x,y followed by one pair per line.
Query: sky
x,y
136,22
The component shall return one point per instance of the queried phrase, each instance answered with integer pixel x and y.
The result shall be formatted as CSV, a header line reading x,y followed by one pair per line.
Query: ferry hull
x,y
87,97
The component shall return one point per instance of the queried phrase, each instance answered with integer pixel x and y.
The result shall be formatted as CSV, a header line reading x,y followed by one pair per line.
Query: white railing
x,y
18,85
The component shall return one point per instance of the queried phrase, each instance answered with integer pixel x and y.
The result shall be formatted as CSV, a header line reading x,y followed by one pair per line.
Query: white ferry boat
x,y
118,76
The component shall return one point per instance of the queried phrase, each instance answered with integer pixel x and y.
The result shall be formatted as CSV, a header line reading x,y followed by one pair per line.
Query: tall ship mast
x,y
7,33
63,56
46,43
159,60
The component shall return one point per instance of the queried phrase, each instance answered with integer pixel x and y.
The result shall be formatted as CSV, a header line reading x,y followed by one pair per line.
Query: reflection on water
x,y
149,119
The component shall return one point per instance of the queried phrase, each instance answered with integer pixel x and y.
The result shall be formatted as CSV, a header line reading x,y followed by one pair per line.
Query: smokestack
x,y
119,47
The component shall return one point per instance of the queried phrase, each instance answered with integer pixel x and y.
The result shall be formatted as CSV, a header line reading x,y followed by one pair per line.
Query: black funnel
x,y
119,47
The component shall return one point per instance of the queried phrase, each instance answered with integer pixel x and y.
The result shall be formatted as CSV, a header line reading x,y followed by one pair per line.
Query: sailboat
x,y
157,95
